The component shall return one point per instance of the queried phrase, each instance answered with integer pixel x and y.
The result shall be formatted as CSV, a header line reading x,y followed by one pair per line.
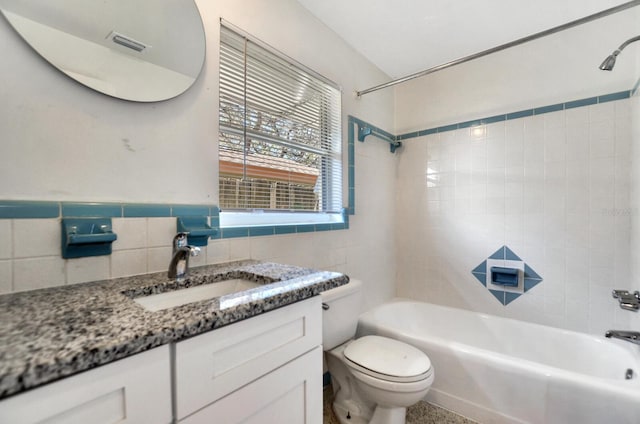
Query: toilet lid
x,y
387,357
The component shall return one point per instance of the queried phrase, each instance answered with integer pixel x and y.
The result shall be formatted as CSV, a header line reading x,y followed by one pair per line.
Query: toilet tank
x,y
340,321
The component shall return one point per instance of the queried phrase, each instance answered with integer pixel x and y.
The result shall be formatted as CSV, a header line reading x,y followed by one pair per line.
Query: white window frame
x,y
235,218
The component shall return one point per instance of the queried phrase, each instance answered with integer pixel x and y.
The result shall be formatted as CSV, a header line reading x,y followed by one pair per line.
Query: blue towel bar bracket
x,y
197,228
364,131
82,237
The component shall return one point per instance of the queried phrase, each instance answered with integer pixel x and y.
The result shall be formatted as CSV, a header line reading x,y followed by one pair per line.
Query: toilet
x,y
374,378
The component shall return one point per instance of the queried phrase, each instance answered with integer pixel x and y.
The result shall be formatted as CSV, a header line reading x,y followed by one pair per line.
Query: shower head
x,y
610,61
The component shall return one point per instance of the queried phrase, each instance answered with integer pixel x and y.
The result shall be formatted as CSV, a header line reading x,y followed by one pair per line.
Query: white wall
x,y
555,188
62,141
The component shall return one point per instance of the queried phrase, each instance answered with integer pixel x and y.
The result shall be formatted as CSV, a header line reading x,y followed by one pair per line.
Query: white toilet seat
x,y
387,359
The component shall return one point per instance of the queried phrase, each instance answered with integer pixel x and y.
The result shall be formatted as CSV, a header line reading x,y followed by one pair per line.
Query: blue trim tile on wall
x,y
581,103
92,210
142,210
520,114
190,210
261,231
234,232
494,119
446,128
323,227
26,209
285,229
621,95
548,109
306,228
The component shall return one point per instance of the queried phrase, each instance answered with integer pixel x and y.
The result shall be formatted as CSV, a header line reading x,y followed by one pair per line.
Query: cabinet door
x,y
132,390
212,365
291,394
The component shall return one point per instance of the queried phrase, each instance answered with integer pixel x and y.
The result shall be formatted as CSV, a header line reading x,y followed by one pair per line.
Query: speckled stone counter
x,y
53,333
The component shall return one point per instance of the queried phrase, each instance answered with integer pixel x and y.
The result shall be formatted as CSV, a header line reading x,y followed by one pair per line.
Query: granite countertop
x,y
53,333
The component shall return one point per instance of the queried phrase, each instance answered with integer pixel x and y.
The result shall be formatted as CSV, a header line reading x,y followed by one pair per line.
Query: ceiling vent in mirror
x,y
128,42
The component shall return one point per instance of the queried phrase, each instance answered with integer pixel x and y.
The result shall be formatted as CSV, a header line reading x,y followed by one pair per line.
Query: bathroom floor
x,y
421,413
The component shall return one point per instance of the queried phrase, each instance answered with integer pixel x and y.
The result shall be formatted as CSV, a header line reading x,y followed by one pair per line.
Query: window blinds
x,y
280,135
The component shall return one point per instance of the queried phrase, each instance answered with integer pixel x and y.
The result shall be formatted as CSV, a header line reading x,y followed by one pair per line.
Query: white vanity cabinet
x,y
266,369
134,390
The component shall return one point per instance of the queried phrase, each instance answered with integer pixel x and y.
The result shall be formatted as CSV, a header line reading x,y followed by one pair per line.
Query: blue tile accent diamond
x,y
531,278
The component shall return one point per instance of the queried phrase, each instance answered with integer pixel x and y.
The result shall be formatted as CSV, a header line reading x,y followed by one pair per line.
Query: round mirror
x,y
140,50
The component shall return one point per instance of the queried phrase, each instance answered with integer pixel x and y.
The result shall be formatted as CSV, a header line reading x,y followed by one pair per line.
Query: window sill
x,y
260,223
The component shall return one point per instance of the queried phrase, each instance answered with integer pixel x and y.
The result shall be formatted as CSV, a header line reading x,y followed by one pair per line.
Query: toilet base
x,y
342,413
381,415
384,415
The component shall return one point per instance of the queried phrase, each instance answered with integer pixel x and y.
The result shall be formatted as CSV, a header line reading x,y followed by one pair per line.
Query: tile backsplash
x,y
30,254
555,187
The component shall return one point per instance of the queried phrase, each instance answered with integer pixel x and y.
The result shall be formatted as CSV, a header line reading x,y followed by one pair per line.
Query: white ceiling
x,y
402,37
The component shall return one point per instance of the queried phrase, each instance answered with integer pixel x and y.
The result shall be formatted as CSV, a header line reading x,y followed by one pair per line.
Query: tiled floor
x,y
421,413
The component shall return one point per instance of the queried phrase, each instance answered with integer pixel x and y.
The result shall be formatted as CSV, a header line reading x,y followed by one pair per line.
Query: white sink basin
x,y
158,302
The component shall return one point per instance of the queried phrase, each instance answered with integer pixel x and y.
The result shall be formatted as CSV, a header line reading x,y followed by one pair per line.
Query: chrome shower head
x,y
610,61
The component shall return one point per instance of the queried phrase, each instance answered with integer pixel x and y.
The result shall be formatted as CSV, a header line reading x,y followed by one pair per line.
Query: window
x,y
280,147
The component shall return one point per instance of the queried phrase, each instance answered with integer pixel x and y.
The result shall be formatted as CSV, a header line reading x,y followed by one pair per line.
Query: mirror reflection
x,y
142,50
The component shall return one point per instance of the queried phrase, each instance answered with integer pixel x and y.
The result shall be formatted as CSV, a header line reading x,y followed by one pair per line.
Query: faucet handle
x,y
180,240
194,251
627,300
617,294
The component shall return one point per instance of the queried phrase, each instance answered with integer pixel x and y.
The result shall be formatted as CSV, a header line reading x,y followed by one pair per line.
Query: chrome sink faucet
x,y
629,336
179,265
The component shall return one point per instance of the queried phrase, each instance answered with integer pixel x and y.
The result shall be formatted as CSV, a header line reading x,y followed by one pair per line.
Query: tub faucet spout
x,y
629,336
179,265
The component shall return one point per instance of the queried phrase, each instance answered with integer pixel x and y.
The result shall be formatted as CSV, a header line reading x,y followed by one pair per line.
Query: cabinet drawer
x,y
135,390
292,394
214,364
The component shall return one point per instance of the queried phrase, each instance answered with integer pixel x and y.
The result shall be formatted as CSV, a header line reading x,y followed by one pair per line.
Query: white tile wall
x,y
32,258
555,188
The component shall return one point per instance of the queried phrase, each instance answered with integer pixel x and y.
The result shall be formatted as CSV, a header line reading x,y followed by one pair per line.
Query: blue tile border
x,y
25,209
17,209
145,211
580,103
621,95
91,210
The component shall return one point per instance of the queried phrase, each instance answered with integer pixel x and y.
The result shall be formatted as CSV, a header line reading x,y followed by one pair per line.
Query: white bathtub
x,y
499,370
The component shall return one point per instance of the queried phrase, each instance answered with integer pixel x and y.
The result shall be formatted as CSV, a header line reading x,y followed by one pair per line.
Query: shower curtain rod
x,y
523,40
